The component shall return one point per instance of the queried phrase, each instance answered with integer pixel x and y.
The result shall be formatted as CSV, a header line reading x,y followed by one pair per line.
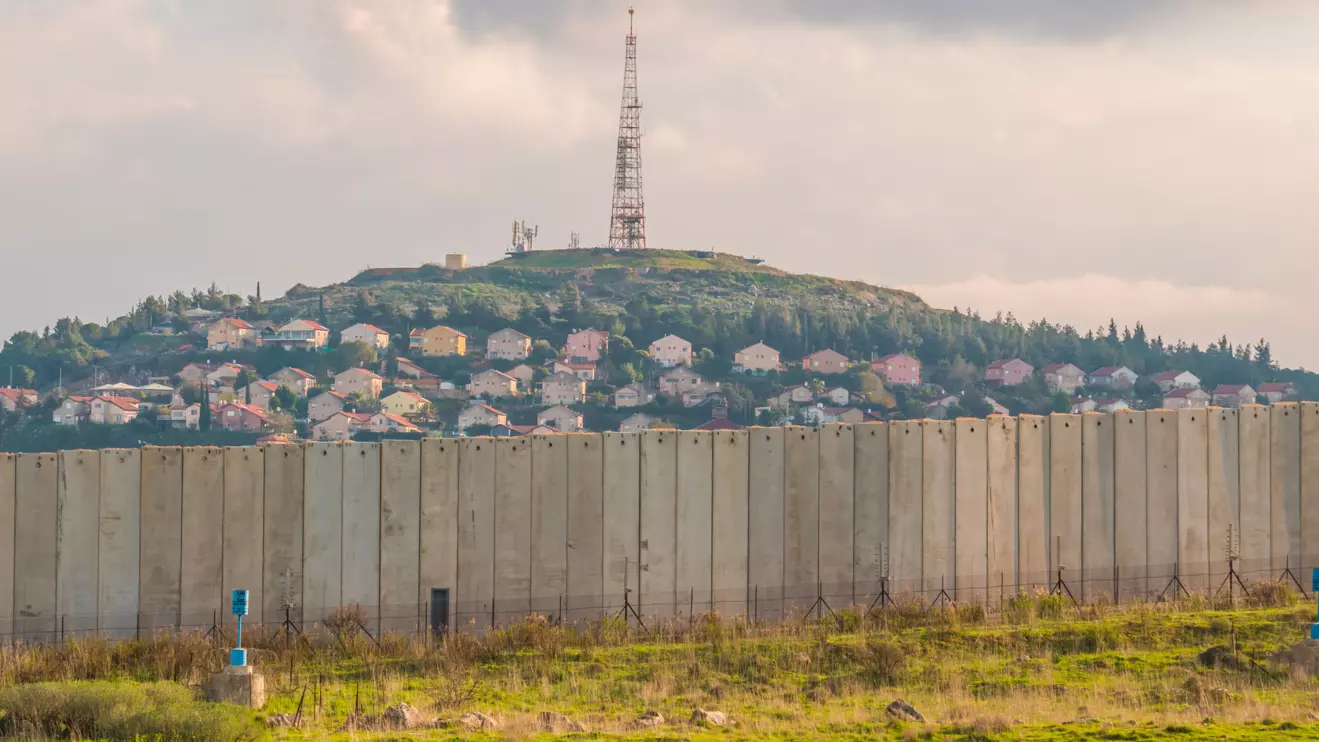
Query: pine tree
x,y
204,422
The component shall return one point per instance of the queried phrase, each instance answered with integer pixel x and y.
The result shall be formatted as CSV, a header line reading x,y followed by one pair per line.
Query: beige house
x,y
583,371
230,333
72,411
480,414
384,422
561,418
562,388
358,381
1186,398
301,334
1063,377
325,404
438,341
633,395
241,417
825,361
225,375
339,427
756,359
365,334
677,381
404,404
194,373
798,394
508,344
263,394
635,423
700,394
491,383
524,374
1234,395
670,351
411,370
295,380
186,417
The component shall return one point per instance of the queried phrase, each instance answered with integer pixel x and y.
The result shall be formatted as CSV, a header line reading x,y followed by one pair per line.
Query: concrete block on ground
x,y
1224,490
938,502
593,553
120,542
837,513
439,523
244,515
765,515
400,536
281,565
1285,485
1001,490
659,528
1161,498
695,511
620,462
322,532
1256,500
1129,503
476,533
360,557
34,546
1065,497
1193,497
77,540
551,512
732,475
870,541
512,529
7,475
906,507
161,559
201,602
1034,547
1098,479
971,511
801,518
241,686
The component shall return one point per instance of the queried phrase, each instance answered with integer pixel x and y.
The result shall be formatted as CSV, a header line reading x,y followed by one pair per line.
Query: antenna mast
x,y
627,222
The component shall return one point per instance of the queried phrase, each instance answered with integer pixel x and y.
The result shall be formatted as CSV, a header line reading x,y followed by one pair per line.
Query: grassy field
x,y
1039,670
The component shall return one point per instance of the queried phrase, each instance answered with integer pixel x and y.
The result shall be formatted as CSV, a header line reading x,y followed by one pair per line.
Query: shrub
x,y
120,711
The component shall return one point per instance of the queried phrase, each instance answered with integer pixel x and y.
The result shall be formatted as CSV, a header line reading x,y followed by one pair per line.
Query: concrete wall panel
x,y
694,518
161,558
728,555
7,462
35,566
322,531
400,536
1097,492
1034,550
1161,497
971,520
837,512
550,514
360,556
77,532
938,503
1224,490
659,529
438,555
1001,491
870,541
1193,497
620,464
201,604
765,516
244,514
476,533
1309,485
906,506
1065,495
1256,501
594,554
1129,502
801,518
512,529
281,563
1285,485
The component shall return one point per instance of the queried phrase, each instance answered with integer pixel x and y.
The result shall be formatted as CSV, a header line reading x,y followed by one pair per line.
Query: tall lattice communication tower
x,y
627,221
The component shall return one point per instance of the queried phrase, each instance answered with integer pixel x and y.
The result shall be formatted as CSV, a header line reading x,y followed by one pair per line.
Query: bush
x,y
119,711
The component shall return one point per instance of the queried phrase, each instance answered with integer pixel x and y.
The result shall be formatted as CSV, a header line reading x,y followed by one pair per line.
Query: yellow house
x,y
230,333
438,341
404,404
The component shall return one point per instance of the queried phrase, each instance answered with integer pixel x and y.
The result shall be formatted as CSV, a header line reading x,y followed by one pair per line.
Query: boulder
x,y
556,723
900,709
709,718
648,720
282,720
478,722
404,716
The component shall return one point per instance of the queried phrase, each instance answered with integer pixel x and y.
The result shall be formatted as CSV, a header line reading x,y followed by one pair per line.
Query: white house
x,y
1170,380
365,334
670,351
1113,377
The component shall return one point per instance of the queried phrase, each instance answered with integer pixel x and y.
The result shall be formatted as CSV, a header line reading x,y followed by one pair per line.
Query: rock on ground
x,y
478,721
551,721
282,720
648,720
404,716
712,718
900,709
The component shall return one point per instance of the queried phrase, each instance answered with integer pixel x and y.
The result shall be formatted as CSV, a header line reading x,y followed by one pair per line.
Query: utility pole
x,y
627,222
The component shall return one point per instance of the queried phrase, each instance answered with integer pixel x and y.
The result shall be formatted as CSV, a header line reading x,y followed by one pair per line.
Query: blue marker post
x,y
1314,588
238,655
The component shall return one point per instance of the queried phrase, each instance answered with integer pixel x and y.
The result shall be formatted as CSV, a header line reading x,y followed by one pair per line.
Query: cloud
x,y
1200,314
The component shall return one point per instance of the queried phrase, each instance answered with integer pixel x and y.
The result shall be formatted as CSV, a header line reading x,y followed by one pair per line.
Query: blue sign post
x,y
1314,588
238,655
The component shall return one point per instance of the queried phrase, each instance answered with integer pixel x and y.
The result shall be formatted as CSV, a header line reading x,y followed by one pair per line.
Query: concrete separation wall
x,y
120,542
161,557
35,554
512,528
322,531
870,540
1001,492
1129,502
400,535
659,528
729,522
244,508
281,585
200,599
588,560
476,533
765,518
438,556
1097,491
1285,484
550,514
619,460
7,462
801,519
906,506
1256,501
1161,497
1033,547
1064,503
971,519
1193,497
938,506
1309,485
837,513
77,539
1224,483
695,508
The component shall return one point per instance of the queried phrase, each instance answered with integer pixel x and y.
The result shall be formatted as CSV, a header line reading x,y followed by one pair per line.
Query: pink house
x,y
898,368
1008,372
586,346
825,362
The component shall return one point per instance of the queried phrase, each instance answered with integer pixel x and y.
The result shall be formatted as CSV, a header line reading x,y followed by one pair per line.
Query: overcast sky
x,y
1143,159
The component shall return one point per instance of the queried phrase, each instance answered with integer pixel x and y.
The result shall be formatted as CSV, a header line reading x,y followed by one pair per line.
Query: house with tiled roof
x,y
675,382
438,341
242,417
1169,380
670,351
295,380
508,345
1186,397
230,333
404,404
1277,391
480,414
11,399
359,381
73,411
263,394
1113,377
562,388
1233,395
1008,372
300,334
583,371
756,359
113,410
636,423
561,418
491,384
1063,377
384,422
325,404
897,369
633,395
367,334
340,426
827,361
586,346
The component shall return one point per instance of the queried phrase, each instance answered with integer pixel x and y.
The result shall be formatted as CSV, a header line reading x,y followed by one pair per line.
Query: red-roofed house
x,y
480,414
235,416
73,411
1277,391
325,404
1169,380
301,334
359,381
492,383
339,427
586,346
583,371
11,399
1008,372
295,380
384,422
1114,377
1233,395
230,333
825,362
1186,398
365,334
899,369
562,418
113,410
263,394
1063,377
508,344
